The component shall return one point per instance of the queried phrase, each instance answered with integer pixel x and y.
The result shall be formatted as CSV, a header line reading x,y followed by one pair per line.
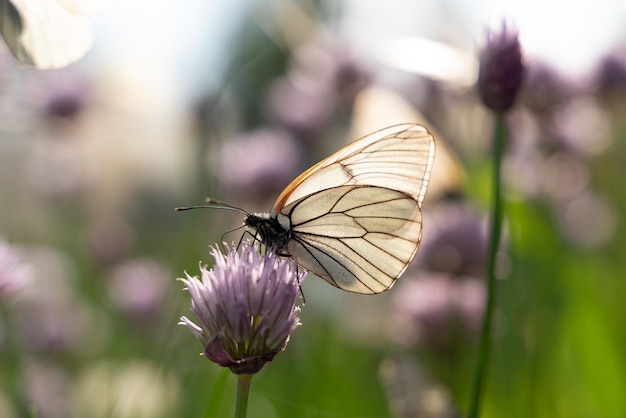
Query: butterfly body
x,y
354,219
269,230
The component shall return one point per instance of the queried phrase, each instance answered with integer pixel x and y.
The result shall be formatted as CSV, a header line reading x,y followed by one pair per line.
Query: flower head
x,y
245,306
610,79
15,274
501,70
259,176
138,288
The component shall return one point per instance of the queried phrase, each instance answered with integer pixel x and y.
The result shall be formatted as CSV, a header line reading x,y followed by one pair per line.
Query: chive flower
x,y
245,306
15,274
501,70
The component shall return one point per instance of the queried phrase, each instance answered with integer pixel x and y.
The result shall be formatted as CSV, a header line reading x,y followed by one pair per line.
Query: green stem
x,y
12,375
243,390
484,348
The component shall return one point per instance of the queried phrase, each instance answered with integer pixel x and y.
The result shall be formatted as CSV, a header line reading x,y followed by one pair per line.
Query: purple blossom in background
x,y
247,164
501,70
138,288
442,303
304,108
245,306
321,84
65,99
14,273
610,80
52,319
545,90
48,389
438,310
456,240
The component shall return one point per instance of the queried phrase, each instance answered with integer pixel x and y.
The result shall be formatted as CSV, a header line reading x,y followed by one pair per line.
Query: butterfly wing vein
x,y
358,238
47,34
399,157
354,218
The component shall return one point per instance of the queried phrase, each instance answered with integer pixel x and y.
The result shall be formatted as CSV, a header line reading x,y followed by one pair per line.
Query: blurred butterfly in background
x,y
47,34
354,219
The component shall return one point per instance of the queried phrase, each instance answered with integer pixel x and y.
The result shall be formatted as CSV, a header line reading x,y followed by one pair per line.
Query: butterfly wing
x,y
399,157
355,216
45,33
357,238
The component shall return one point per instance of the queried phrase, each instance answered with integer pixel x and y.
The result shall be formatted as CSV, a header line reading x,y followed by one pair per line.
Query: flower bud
x,y
501,70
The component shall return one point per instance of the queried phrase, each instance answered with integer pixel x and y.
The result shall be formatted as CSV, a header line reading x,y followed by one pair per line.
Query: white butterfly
x,y
354,218
47,34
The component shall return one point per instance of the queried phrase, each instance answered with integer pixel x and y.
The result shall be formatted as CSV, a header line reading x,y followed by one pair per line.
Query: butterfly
x,y
354,219
47,34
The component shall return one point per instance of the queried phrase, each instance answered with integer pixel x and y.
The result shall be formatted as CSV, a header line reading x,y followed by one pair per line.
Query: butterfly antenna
x,y
213,204
216,204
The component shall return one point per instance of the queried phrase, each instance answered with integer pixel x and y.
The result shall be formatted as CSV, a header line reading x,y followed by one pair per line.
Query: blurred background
x,y
178,101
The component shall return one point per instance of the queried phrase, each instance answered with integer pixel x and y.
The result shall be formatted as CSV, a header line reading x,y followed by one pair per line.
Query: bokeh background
x,y
182,100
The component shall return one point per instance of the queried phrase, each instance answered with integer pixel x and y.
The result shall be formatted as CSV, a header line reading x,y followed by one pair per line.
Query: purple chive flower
x,y
610,78
138,288
501,70
15,274
258,176
437,311
245,306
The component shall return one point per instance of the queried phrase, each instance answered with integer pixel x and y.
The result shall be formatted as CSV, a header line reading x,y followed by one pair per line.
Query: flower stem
x,y
12,375
484,348
243,390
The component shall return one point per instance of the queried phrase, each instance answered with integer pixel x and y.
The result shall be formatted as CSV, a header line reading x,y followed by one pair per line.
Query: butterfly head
x,y
269,230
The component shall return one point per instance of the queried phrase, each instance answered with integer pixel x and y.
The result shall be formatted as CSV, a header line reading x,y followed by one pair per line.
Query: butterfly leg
x,y
254,237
